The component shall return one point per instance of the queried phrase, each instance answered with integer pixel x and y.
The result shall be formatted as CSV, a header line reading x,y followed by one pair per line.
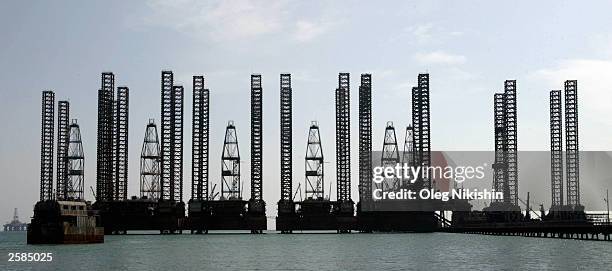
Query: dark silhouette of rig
x,y
161,207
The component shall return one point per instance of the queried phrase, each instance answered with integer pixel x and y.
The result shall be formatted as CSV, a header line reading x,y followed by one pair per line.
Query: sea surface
x,y
314,251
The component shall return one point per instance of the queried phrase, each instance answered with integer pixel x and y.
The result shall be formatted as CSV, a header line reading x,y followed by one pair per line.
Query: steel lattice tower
x,y
63,133
571,143
177,144
256,137
199,173
424,127
150,185
121,143
416,122
167,120
556,148
105,151
76,164
500,166
408,157
511,139
230,165
343,145
365,137
46,145
314,164
171,139
408,153
286,130
390,156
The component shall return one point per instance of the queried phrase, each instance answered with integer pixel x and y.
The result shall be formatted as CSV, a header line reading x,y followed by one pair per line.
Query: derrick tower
x,y
408,153
150,186
390,157
75,164
314,164
230,165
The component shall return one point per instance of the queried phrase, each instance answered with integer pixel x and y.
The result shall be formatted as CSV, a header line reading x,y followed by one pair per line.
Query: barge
x,y
64,222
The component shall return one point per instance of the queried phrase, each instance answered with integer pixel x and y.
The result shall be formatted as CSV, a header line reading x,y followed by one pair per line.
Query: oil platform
x,y
230,211
15,224
63,217
160,205
396,215
316,212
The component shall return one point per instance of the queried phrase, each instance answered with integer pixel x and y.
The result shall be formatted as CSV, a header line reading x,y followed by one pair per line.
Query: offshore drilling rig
x,y
396,215
316,212
571,209
230,211
62,217
160,206
503,216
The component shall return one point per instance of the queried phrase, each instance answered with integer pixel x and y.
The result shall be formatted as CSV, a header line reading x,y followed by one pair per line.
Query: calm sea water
x,y
272,251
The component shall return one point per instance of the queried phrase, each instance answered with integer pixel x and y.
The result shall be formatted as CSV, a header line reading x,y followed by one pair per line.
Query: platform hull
x,y
315,215
118,217
225,215
51,225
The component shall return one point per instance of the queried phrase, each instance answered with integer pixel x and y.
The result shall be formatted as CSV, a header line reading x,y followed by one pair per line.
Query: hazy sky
x,y
468,47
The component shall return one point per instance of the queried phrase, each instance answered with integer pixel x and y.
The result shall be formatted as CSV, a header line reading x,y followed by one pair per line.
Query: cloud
x,y
439,57
594,82
422,32
218,20
308,30
234,20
